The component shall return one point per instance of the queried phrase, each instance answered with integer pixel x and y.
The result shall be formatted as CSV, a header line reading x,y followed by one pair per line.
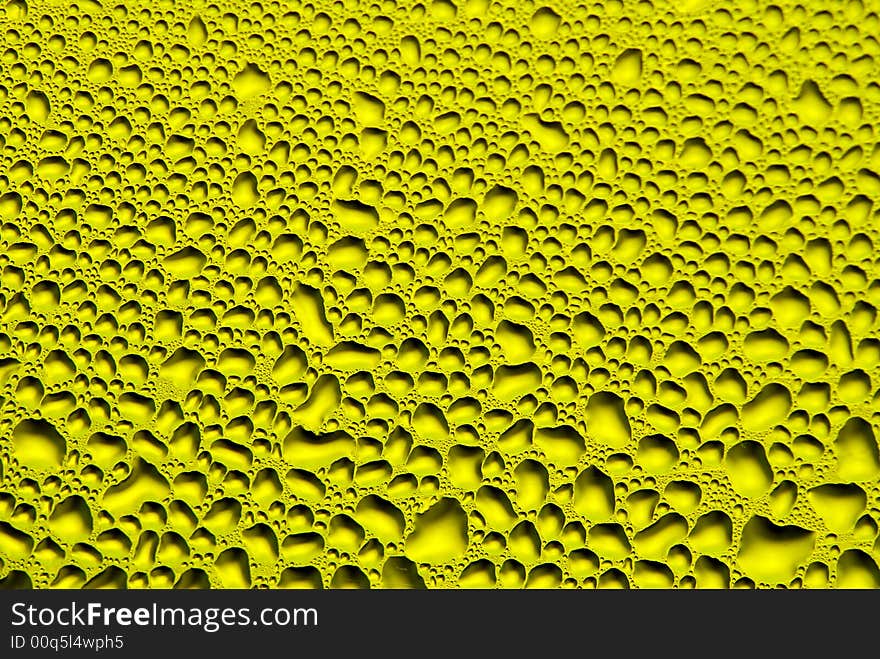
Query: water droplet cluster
x,y
439,294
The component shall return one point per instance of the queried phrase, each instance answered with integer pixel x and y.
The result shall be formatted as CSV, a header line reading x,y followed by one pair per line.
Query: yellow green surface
x,y
453,294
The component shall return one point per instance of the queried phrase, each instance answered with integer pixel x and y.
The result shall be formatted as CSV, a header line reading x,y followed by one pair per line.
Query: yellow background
x,y
447,294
